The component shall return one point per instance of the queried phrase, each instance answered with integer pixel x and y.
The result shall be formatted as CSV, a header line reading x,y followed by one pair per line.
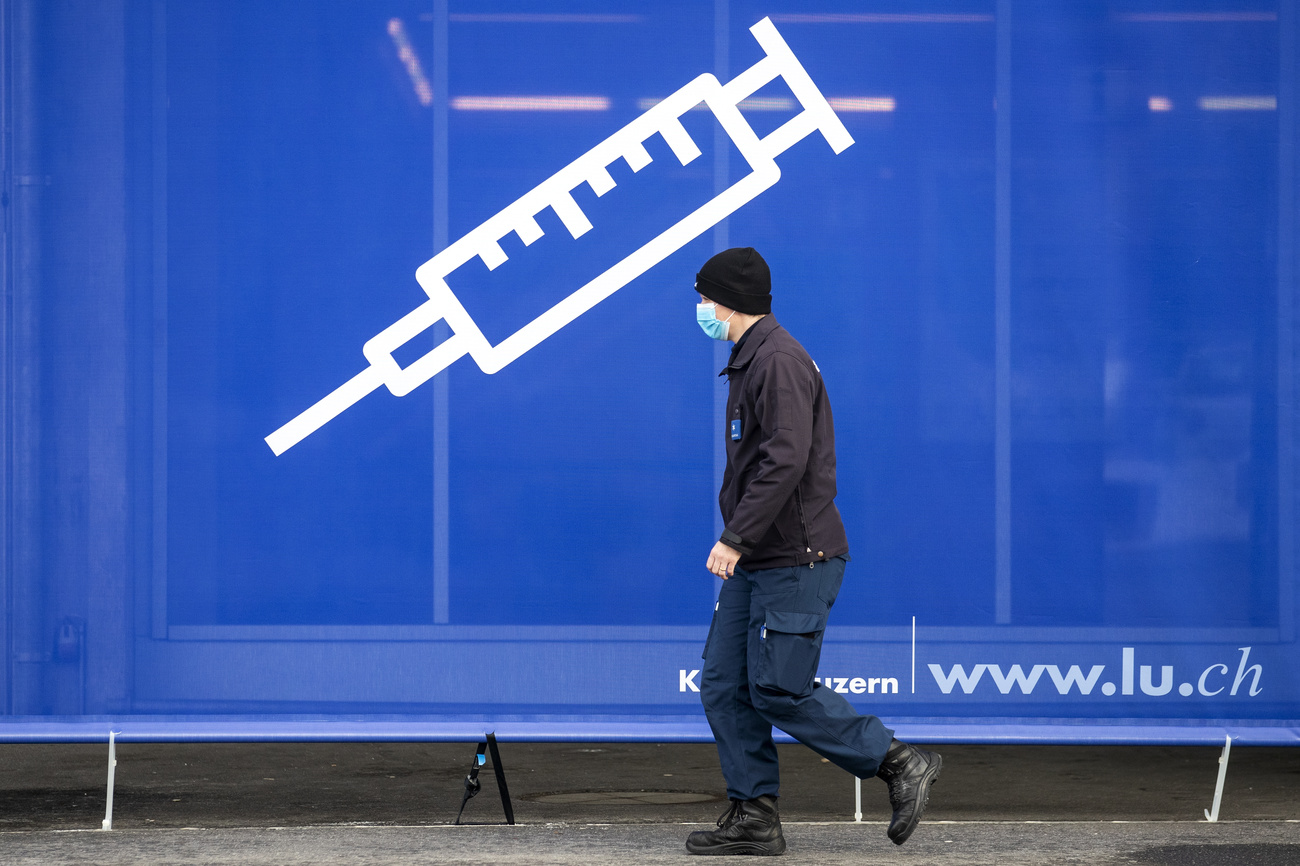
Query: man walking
x,y
782,557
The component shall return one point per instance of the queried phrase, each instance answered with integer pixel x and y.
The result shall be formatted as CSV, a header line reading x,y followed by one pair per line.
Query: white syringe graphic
x,y
555,193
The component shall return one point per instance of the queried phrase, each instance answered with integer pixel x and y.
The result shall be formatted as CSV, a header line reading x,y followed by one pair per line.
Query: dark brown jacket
x,y
778,491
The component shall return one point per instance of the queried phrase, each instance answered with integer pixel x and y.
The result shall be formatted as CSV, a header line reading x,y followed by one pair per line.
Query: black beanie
x,y
737,278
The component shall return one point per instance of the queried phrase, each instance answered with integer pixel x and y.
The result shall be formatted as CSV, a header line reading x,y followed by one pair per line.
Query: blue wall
x,y
1051,287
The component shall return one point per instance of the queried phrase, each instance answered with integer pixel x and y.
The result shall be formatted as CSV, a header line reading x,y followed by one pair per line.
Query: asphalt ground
x,y
631,803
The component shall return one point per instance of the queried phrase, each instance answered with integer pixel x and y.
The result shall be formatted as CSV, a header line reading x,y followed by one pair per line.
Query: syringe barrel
x,y
555,193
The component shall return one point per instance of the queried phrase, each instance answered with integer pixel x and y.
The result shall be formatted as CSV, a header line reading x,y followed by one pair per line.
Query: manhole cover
x,y
625,798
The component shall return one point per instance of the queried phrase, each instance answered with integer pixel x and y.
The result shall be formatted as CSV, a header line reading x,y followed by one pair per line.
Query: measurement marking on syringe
x,y
600,181
636,156
556,193
528,230
571,215
492,255
683,146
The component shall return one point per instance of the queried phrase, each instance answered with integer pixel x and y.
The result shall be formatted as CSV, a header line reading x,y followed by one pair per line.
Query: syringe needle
x,y
324,410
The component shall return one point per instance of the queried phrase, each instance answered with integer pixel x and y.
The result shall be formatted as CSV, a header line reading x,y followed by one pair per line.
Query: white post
x,y
913,656
112,772
857,799
1212,814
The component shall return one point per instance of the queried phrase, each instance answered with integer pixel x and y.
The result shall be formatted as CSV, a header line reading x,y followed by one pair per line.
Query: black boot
x,y
909,772
748,827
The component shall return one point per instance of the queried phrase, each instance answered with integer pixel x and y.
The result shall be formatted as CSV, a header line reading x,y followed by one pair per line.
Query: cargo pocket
x,y
789,646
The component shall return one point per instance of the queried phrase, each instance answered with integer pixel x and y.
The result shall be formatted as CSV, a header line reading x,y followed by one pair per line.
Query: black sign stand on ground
x,y
473,785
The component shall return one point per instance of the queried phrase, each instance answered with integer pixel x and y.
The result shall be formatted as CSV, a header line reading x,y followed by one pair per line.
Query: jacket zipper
x,y
807,543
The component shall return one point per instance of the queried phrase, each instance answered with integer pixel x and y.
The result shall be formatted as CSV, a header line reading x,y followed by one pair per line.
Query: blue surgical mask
x,y
706,315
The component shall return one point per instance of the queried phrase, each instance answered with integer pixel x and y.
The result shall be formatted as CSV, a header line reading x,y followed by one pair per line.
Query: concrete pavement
x,y
630,803
1019,844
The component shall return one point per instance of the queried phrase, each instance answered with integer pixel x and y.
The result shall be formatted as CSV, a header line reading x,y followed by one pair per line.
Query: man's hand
x,y
722,560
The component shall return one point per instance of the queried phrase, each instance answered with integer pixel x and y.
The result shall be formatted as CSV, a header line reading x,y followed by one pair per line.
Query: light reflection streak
x,y
850,104
530,103
856,104
406,53
1237,103
1190,17
767,103
880,18
1160,103
646,103
541,18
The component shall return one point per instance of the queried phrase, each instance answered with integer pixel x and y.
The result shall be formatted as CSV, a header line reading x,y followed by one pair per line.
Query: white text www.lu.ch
x,y
1212,681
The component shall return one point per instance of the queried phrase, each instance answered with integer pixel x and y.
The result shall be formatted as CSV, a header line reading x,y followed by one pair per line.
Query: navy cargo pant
x,y
759,663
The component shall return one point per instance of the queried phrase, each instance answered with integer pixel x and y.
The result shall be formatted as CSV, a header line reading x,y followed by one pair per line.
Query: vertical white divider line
x,y
857,799
112,775
721,142
441,331
1212,814
158,287
721,241
1288,245
913,655
1002,319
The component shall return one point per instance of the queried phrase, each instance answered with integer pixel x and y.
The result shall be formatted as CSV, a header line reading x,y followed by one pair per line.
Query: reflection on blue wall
x,y
1050,286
